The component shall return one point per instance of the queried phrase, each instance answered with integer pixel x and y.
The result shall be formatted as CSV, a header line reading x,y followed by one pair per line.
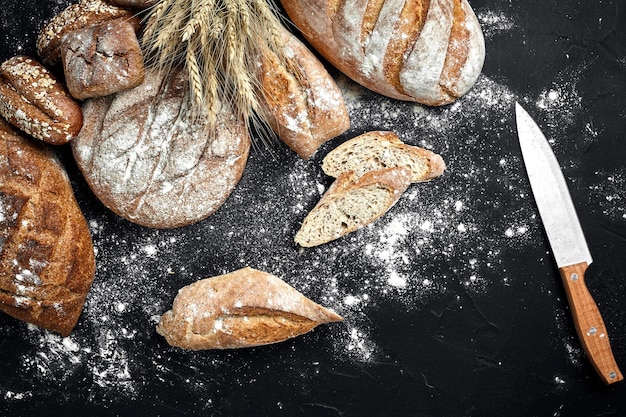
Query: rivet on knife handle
x,y
589,324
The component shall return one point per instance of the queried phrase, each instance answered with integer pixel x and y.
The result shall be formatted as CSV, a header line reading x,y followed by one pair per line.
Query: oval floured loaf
x,y
47,259
428,51
381,149
244,308
154,164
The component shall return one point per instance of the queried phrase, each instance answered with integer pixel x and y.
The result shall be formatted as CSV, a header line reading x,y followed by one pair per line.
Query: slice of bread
x,y
381,149
352,202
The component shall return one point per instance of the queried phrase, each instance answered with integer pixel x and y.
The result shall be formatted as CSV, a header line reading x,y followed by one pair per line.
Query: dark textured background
x,y
506,350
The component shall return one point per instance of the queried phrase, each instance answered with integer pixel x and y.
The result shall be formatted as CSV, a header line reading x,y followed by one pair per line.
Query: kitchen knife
x,y
567,242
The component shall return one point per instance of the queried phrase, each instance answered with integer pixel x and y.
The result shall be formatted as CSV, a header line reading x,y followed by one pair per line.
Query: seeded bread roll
x,y
379,149
77,16
352,202
32,99
153,164
431,52
300,99
47,260
241,309
102,60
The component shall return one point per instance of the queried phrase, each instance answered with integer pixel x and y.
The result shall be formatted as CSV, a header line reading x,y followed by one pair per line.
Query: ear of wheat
x,y
218,43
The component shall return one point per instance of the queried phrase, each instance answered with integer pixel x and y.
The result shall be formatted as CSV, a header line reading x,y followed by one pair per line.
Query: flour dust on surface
x,y
447,221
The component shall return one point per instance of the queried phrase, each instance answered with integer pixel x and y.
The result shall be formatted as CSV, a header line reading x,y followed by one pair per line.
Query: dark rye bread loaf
x,y
83,14
135,4
47,260
152,163
102,60
428,51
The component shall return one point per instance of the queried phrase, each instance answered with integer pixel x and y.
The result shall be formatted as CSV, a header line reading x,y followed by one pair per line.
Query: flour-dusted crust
x,y
353,201
47,259
382,149
152,163
102,60
241,309
431,52
300,99
136,4
84,14
36,102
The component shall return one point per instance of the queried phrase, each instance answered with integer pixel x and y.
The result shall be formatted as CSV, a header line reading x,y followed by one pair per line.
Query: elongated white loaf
x,y
428,51
352,202
382,149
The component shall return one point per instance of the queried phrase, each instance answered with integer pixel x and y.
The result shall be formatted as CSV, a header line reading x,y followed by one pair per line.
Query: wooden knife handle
x,y
589,324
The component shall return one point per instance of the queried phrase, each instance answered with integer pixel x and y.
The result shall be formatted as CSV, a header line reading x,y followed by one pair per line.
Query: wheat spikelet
x,y
218,43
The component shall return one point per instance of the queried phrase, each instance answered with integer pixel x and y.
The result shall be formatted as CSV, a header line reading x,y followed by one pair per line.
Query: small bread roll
x,y
84,14
102,60
35,101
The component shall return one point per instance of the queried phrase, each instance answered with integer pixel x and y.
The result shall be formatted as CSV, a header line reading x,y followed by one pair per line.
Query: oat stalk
x,y
218,43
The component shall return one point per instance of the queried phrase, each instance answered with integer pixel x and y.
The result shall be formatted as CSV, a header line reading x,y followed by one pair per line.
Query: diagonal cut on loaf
x,y
382,149
244,308
352,202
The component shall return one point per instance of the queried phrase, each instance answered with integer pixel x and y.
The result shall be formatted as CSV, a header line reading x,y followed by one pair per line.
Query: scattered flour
x,y
396,261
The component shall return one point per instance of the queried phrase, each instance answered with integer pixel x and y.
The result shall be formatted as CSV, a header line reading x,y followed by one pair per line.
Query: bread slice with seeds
x,y
382,149
352,202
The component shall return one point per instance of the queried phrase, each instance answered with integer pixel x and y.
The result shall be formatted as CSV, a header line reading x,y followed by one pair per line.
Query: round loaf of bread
x,y
47,261
431,52
80,15
154,164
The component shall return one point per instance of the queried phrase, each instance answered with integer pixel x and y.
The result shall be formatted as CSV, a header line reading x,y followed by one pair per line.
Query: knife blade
x,y
567,241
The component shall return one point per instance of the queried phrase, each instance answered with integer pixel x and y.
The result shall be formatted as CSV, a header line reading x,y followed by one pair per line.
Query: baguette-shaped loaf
x,y
47,261
299,98
352,202
244,308
381,149
428,51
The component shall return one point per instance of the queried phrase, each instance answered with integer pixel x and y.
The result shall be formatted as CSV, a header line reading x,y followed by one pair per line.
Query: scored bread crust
x,y
299,98
102,60
240,309
47,261
382,149
84,14
154,164
352,202
428,51
36,102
